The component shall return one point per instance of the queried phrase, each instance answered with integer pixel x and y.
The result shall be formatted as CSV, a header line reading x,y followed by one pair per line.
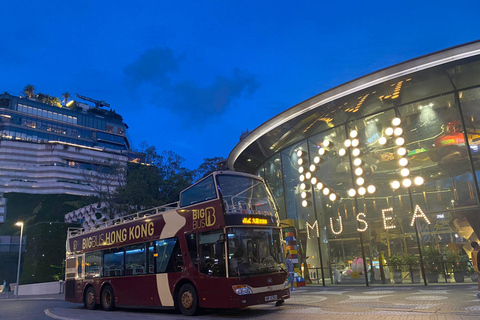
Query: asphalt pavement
x,y
312,302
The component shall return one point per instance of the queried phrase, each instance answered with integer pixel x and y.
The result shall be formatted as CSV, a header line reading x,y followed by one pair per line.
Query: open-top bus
x,y
220,246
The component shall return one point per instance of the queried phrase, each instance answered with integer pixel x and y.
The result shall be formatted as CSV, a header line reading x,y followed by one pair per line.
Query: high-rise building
x,y
47,148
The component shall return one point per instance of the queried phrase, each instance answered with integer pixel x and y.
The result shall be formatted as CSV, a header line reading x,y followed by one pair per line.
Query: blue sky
x,y
190,76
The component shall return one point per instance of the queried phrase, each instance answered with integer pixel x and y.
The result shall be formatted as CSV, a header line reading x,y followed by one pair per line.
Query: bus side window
x,y
113,263
168,255
93,261
192,248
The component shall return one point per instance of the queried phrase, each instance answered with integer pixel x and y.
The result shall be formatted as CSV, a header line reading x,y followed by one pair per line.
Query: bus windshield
x,y
253,251
244,193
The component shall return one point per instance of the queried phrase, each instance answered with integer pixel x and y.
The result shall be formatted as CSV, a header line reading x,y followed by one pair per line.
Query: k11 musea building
x,y
380,175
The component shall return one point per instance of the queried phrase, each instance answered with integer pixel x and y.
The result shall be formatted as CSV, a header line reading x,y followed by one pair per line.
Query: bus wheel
x,y
187,300
279,303
89,300
108,299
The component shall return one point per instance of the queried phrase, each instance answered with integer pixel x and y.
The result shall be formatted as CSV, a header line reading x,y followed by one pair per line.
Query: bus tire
x,y
108,299
90,299
187,300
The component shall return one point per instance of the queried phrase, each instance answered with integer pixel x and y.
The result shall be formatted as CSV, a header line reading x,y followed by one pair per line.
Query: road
x,y
385,303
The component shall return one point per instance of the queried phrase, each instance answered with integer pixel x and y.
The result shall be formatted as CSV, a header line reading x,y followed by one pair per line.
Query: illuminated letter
x,y
124,234
130,233
359,216
385,219
311,227
340,222
144,230
195,214
415,215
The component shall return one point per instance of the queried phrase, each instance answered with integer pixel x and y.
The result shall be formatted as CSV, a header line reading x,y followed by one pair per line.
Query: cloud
x,y
199,103
154,66
186,97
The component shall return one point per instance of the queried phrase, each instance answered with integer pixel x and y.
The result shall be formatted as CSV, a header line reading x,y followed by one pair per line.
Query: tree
x,y
107,176
66,95
173,177
29,90
208,166
142,187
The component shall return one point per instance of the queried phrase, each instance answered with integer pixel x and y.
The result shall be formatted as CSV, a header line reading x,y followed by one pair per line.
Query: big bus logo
x,y
203,217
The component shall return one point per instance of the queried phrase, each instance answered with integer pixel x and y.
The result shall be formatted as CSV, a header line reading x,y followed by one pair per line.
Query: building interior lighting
x,y
342,152
403,162
356,152
300,161
301,169
395,185
358,171
353,134
382,141
355,142
404,172
321,151
326,143
352,192
308,175
357,162
362,191
332,197
326,191
305,203
303,186
347,143
371,189
299,153
398,132
313,167
418,181
407,183
396,121
389,131
313,180
402,151
399,141
360,181
303,194
316,159
302,177
319,186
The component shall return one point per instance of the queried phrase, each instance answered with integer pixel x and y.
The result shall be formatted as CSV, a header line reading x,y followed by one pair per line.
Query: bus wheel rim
x,y
108,298
187,300
90,298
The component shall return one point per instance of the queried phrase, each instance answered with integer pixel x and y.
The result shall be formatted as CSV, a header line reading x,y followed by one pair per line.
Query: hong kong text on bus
x,y
220,246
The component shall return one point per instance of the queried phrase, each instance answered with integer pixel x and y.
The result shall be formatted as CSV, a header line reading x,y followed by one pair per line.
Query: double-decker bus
x,y
220,246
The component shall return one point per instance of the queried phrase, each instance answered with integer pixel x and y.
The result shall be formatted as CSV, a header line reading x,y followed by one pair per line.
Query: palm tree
x,y
29,90
66,95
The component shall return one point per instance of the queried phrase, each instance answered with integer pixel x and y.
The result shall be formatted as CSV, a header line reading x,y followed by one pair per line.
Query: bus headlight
x,y
242,289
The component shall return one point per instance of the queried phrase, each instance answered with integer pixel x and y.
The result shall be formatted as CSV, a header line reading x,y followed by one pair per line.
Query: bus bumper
x,y
241,301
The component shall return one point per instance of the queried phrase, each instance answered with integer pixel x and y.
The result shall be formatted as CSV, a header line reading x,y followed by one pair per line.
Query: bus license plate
x,y
271,298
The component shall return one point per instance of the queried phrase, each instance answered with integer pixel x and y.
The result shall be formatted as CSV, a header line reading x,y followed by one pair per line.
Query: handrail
x,y
75,231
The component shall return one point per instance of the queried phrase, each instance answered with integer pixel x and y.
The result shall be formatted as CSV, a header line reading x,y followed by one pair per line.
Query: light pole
x,y
19,224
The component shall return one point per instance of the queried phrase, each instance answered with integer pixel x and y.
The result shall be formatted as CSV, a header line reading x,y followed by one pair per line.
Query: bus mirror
x,y
221,238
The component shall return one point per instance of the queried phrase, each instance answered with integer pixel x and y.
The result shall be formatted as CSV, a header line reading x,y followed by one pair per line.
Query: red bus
x,y
220,246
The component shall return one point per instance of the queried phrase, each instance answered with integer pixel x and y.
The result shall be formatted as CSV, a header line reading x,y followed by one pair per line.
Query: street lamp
x,y
19,224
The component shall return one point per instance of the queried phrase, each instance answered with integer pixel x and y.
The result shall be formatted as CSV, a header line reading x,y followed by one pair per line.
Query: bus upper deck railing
x,y
72,231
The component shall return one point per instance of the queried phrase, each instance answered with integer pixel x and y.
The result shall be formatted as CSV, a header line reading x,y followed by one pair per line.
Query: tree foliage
x,y
208,166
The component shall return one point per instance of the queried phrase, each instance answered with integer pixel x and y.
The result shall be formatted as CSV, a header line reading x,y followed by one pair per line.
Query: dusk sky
x,y
191,76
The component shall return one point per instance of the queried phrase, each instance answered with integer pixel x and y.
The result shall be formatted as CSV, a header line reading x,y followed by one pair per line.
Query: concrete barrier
x,y
39,288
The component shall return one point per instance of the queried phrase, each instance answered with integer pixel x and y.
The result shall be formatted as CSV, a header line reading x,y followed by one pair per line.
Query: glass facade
x,y
382,183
